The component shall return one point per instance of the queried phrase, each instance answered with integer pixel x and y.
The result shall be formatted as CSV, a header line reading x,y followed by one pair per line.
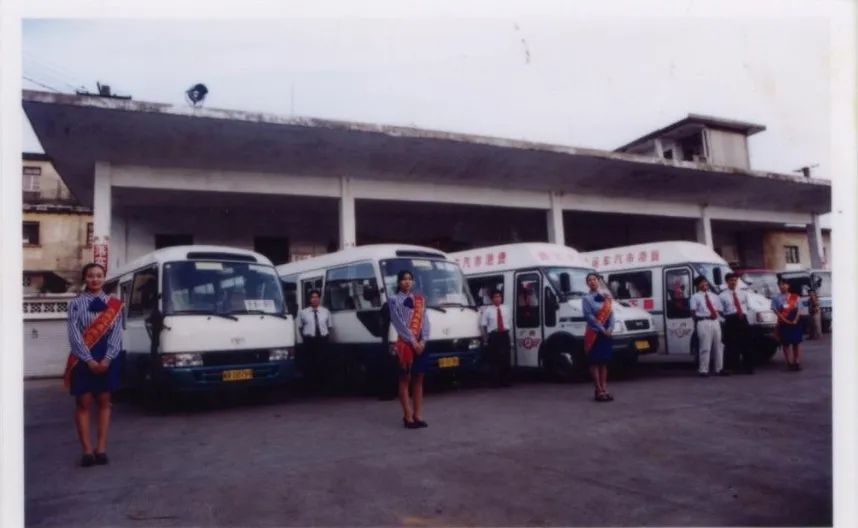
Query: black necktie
x,y
316,317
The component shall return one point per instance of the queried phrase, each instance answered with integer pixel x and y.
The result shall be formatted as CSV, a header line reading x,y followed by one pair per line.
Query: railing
x,y
47,306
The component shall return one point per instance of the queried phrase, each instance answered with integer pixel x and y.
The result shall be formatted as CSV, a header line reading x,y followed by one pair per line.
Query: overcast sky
x,y
595,82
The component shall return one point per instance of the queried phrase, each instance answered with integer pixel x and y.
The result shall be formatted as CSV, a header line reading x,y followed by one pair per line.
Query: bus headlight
x,y
181,360
281,354
619,327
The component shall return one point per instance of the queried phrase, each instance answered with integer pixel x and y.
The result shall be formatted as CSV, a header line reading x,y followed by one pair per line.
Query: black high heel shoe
x,y
409,425
420,423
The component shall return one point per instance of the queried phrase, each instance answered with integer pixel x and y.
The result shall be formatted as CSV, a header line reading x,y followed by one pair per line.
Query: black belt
x,y
498,332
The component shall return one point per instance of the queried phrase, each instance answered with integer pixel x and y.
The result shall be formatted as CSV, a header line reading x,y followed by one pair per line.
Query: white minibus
x,y
658,277
543,285
203,317
355,285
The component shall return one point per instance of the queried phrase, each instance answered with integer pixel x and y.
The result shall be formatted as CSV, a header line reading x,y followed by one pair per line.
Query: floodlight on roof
x,y
196,93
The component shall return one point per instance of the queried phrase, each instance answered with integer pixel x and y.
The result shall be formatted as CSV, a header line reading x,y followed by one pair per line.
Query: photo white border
x,y
842,17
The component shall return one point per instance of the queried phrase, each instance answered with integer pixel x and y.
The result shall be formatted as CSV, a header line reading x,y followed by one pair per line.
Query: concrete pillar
x,y
348,222
555,220
704,228
102,206
814,240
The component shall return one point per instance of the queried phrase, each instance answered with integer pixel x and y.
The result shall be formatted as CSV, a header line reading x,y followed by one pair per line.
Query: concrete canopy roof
x,y
77,131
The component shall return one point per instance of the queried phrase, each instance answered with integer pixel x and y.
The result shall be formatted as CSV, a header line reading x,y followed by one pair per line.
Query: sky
x,y
593,82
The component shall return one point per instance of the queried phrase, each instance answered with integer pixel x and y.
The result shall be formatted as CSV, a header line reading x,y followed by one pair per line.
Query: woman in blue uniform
x,y
598,343
785,305
92,372
409,318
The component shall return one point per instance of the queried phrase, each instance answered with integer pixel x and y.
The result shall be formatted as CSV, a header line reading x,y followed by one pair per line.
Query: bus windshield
x,y
577,279
824,280
441,282
763,282
214,287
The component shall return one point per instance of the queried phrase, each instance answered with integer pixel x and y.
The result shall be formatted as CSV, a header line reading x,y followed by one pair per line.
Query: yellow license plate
x,y
448,362
237,375
642,345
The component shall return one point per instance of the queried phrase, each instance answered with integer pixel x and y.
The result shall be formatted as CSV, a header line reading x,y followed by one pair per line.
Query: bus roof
x,y
200,252
517,256
358,253
652,254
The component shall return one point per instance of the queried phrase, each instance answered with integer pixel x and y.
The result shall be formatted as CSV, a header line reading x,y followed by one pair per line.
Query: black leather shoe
x,y
87,460
409,425
420,423
101,459
724,372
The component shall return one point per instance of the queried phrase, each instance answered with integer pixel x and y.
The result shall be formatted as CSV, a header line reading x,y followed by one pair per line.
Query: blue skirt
x,y
602,351
790,334
83,381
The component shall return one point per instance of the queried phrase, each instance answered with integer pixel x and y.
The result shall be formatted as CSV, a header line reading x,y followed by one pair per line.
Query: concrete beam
x,y
448,194
348,220
224,181
814,240
704,228
554,216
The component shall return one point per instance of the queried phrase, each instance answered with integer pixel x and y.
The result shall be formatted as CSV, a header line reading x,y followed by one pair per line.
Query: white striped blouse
x,y
80,318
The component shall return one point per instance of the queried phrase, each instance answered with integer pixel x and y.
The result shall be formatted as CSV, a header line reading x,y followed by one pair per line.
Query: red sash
x,y
790,305
94,333
404,349
590,335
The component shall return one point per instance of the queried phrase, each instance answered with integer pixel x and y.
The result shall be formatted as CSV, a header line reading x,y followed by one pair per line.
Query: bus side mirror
x,y
565,283
817,282
716,274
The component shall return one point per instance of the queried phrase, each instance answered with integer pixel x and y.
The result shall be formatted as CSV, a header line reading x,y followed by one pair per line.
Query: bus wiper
x,y
262,312
435,307
203,312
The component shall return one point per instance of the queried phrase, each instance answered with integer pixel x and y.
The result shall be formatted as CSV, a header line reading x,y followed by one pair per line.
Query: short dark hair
x,y
592,274
497,292
88,267
731,275
401,275
698,280
314,291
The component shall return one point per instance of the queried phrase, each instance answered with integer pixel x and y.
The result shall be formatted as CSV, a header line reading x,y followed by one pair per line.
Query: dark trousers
x,y
738,346
498,355
314,361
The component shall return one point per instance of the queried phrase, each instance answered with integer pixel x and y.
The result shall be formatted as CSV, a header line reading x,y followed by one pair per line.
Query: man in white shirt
x,y
314,323
737,331
494,324
705,309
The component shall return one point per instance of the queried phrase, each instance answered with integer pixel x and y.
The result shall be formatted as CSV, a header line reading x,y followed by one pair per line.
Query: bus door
x,y
679,326
527,314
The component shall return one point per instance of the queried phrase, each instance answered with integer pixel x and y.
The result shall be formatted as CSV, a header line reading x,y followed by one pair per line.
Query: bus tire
x,y
765,351
564,360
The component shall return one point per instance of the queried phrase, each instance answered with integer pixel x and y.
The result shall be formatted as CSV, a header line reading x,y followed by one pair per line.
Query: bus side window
x,y
677,284
482,288
125,295
631,285
290,295
308,285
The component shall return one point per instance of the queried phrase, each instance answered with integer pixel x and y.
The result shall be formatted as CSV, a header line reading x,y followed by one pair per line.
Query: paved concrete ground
x,y
671,450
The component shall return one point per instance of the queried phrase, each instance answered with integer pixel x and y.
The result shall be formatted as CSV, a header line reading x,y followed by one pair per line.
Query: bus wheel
x,y
155,396
562,363
765,351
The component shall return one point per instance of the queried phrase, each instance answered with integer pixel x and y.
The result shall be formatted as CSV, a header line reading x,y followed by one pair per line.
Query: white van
x,y
203,317
543,285
658,277
355,285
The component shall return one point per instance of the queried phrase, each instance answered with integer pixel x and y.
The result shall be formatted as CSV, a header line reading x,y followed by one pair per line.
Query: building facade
x,y
158,175
57,230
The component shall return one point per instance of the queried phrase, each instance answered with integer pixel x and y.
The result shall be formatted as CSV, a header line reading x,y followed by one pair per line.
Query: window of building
x,y
631,285
791,254
89,234
482,288
31,179
352,287
163,241
31,233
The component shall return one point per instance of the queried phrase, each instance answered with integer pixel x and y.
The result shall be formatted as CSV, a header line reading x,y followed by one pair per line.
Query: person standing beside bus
x,y
705,309
409,319
737,330
314,323
785,305
598,343
92,371
815,330
494,325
